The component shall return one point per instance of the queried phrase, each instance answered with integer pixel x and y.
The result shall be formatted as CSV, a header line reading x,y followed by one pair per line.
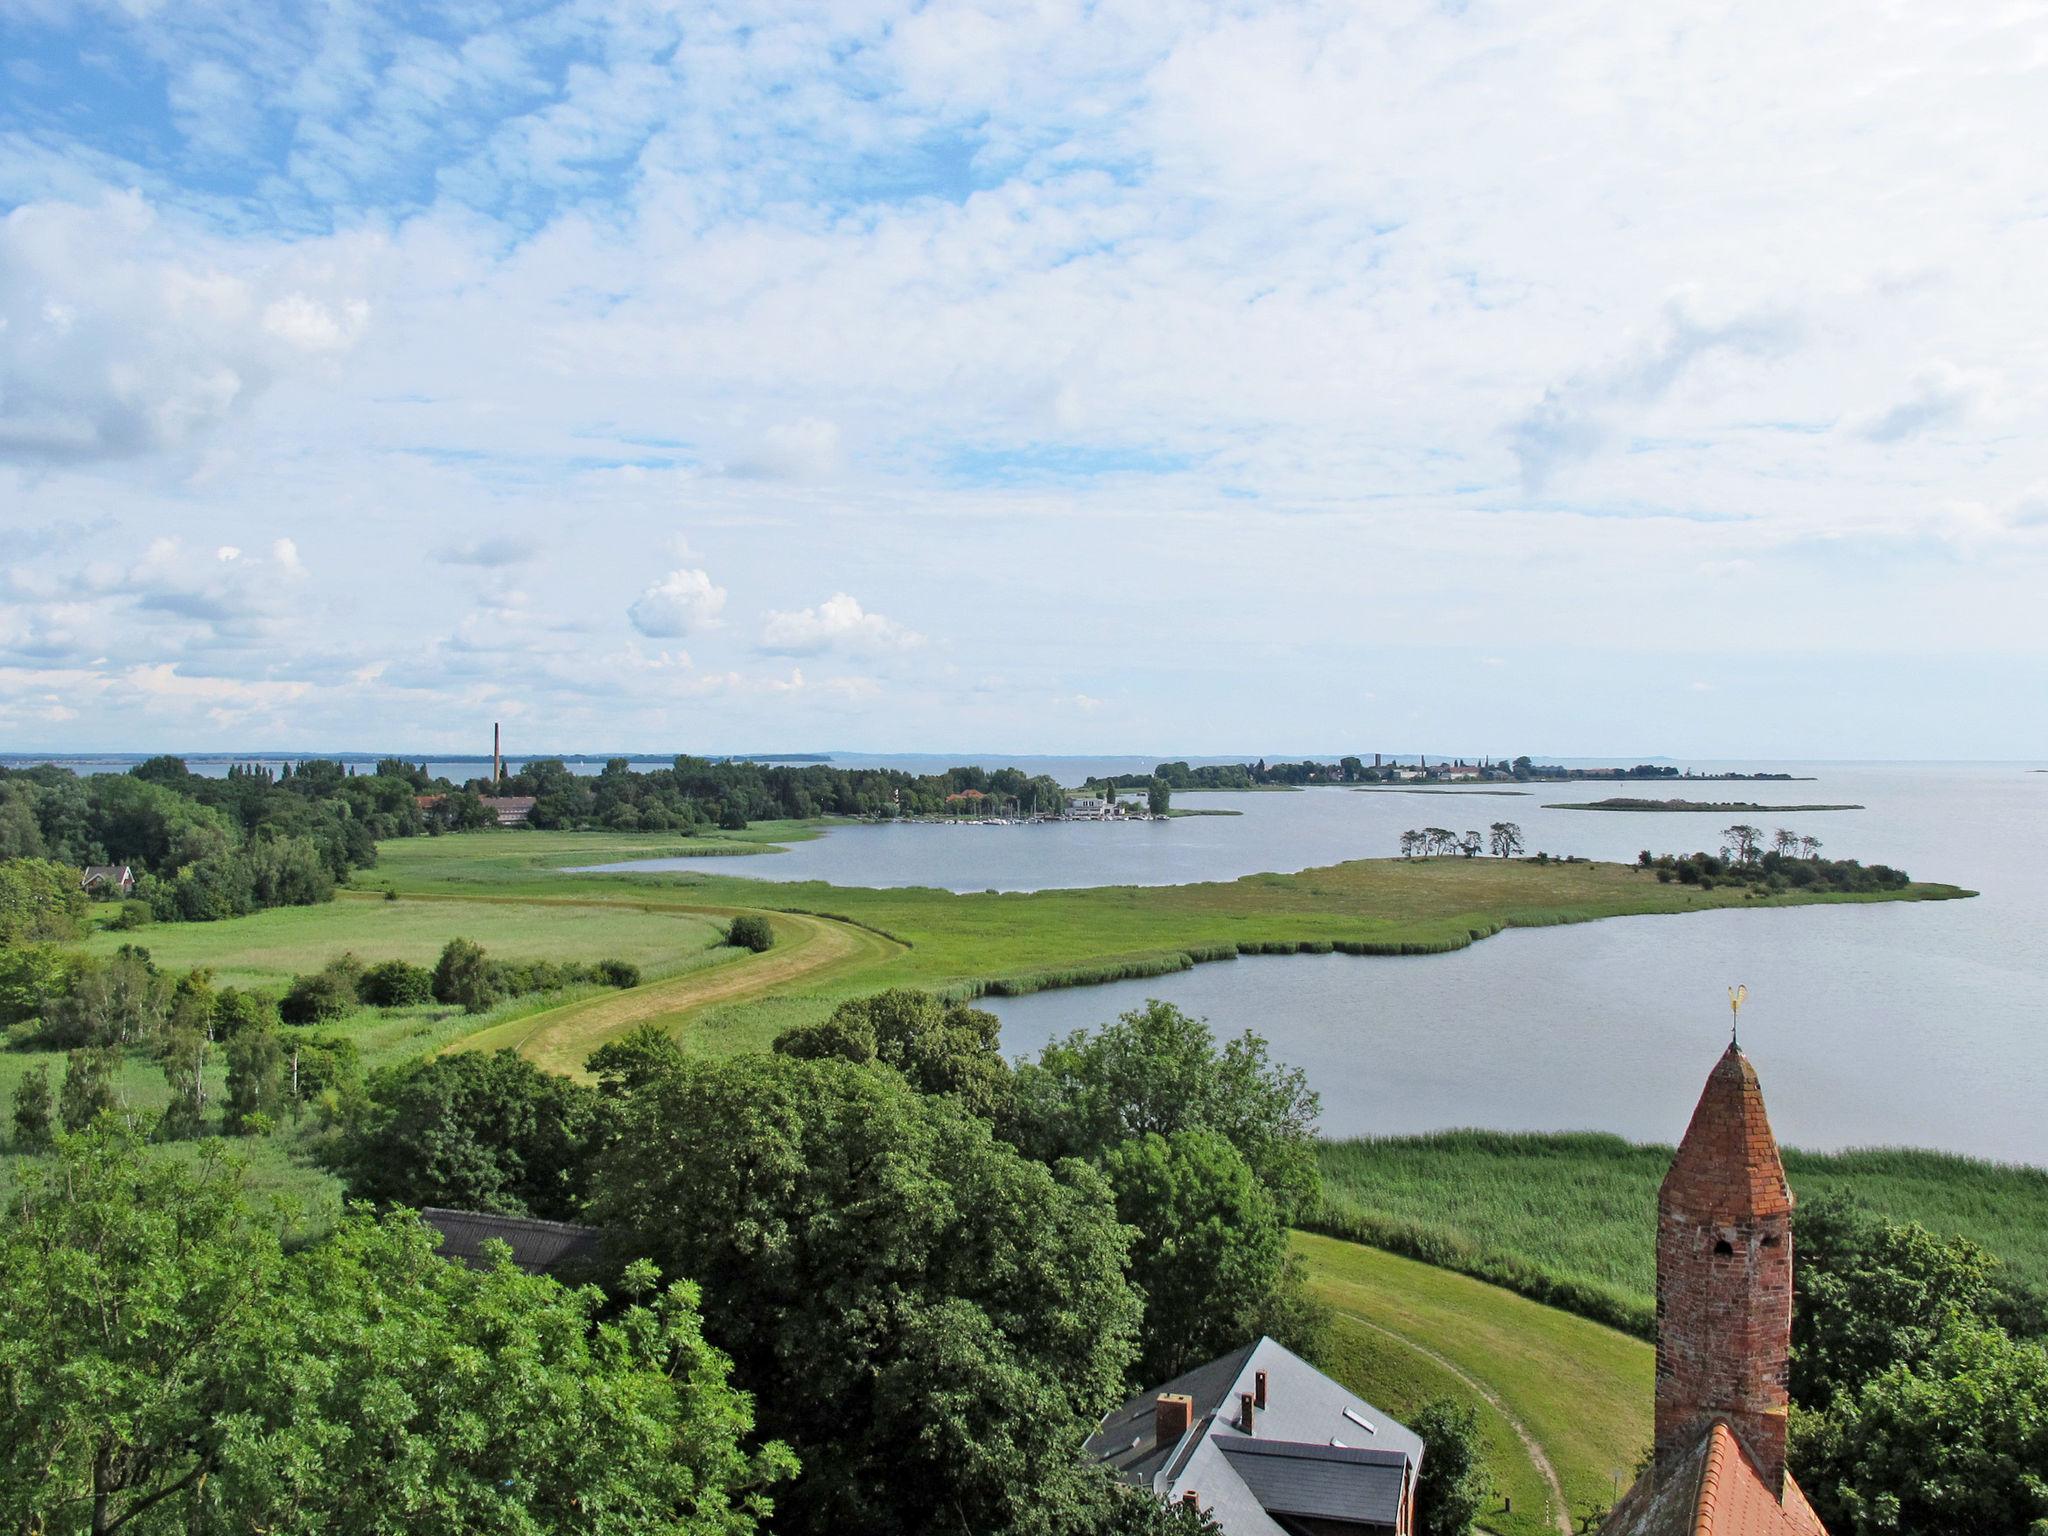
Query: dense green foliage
x,y
1157,1071
1775,872
938,1045
1570,1219
1211,1248
750,931
932,1321
167,1366
1915,1408
472,1132
39,901
1454,1487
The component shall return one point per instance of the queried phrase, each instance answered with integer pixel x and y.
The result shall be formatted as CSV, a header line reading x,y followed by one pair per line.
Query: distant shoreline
x,y
1718,807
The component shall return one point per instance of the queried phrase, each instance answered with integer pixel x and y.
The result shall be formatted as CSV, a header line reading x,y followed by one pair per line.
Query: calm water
x,y
1923,1024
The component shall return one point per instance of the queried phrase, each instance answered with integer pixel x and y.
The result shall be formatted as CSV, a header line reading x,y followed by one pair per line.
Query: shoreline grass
x,y
1569,1219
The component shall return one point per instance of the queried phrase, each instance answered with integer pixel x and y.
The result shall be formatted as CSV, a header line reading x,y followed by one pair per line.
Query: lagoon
x,y
1921,1024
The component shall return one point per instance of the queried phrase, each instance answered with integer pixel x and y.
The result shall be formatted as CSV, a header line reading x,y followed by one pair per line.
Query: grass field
x,y
1571,1218
1581,1392
1023,941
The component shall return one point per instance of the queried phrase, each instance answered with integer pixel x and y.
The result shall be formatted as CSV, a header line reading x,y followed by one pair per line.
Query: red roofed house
x,y
1724,1330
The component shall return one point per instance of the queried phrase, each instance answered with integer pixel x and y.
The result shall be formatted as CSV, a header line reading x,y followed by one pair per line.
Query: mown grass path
x,y
807,948
1575,1395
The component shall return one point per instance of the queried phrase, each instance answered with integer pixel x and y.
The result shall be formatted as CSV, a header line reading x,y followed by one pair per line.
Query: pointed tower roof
x,y
1728,1162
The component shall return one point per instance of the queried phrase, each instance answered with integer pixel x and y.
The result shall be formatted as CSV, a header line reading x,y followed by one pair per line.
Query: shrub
x,y
618,973
750,932
133,915
395,984
464,976
328,993
235,1011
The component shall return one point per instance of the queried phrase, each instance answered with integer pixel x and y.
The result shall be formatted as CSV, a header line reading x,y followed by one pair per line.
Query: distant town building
x,y
1268,1446
511,810
1724,1330
100,877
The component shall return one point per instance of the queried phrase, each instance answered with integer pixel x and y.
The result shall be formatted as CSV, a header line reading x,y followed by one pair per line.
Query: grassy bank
x,y
1581,1392
1571,1219
1019,942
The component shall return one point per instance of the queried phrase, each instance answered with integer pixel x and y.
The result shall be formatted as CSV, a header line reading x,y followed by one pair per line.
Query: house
x,y
1268,1446
1088,807
108,877
1724,1330
557,1248
511,810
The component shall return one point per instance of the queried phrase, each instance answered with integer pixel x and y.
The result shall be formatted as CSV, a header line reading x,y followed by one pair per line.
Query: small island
x,y
1730,807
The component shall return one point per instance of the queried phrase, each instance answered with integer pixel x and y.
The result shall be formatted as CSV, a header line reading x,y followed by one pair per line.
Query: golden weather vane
x,y
1737,996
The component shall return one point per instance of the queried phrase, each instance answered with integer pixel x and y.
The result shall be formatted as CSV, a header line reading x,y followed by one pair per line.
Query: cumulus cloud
x,y
837,624
119,336
682,603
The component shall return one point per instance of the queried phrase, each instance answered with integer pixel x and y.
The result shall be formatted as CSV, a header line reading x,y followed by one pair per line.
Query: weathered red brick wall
x,y
1724,1278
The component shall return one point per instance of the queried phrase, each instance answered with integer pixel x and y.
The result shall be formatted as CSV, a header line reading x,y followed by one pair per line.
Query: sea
x,y
1915,1023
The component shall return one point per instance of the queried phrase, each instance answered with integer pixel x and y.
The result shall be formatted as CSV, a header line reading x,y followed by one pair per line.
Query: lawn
x,y
1572,1217
1580,1390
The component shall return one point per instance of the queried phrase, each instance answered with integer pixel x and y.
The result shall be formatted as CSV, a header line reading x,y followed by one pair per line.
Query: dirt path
x,y
1560,1512
561,1039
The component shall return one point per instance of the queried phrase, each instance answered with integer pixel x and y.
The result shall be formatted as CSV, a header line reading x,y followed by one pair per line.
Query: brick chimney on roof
x,y
1172,1414
1724,1278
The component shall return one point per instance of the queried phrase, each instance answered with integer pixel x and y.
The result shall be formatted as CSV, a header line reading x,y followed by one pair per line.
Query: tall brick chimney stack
x,y
1724,1278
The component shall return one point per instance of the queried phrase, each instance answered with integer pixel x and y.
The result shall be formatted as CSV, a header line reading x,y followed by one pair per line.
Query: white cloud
x,y
796,450
120,335
682,603
1941,395
837,624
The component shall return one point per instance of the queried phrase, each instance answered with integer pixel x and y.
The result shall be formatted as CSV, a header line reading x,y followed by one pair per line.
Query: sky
x,y
1579,379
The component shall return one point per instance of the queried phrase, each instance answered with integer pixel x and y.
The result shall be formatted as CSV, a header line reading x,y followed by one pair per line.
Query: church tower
x,y
1724,1279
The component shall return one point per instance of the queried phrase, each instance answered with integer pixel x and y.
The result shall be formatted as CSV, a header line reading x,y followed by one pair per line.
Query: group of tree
x,y
169,1364
933,1269
1503,840
1792,863
1919,1381
201,848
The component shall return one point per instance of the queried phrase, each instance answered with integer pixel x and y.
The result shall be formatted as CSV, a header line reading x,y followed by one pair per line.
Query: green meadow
x,y
1571,1219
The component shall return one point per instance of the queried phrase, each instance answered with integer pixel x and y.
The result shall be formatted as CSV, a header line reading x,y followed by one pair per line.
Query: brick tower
x,y
1724,1279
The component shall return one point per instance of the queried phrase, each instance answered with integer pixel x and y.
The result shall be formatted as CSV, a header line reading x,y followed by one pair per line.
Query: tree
x,y
31,976
1784,842
473,1130
1412,843
1210,1248
1157,1070
396,984
1439,840
1873,1294
1743,842
120,1002
464,976
1472,845
184,1057
169,1367
328,994
939,1046
88,1090
749,931
1505,839
39,901
1957,1442
1809,847
1454,1487
255,1079
1158,797
930,1320
33,1110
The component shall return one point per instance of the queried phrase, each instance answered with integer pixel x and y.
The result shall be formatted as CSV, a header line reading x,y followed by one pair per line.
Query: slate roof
x,y
1315,1451
1715,1490
556,1248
